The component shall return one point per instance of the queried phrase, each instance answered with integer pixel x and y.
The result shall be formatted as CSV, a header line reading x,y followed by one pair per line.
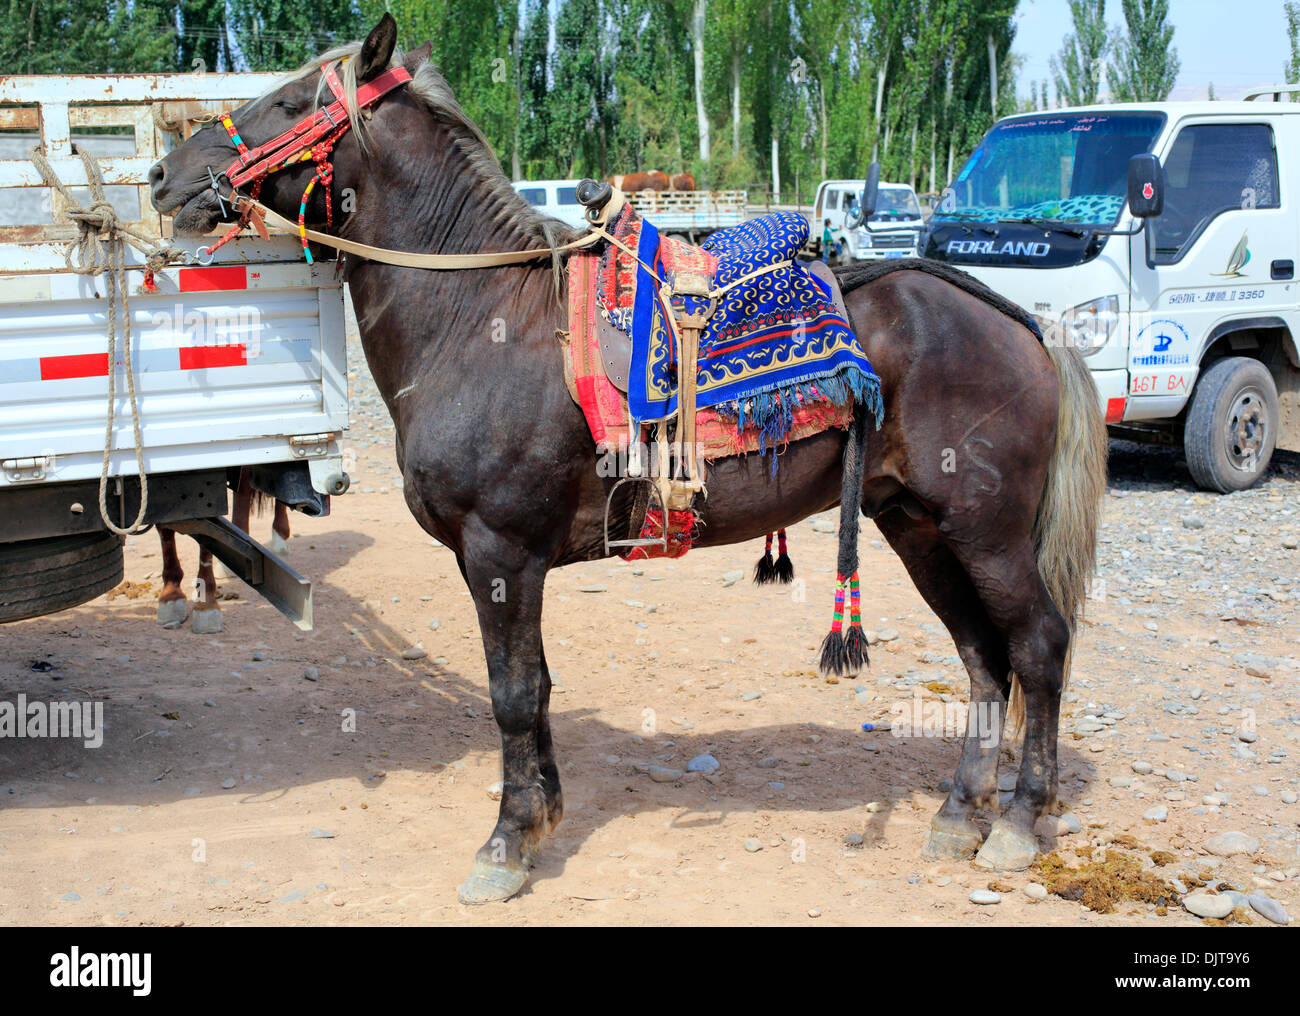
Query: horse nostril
x,y
156,174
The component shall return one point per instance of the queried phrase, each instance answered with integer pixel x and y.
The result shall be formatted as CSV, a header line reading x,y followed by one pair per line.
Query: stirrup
x,y
662,542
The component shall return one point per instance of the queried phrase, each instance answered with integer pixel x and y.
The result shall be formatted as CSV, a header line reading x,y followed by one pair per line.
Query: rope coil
x,y
98,250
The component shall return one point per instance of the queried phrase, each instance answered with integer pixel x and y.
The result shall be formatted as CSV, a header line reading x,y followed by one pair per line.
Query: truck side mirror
x,y
870,191
1146,186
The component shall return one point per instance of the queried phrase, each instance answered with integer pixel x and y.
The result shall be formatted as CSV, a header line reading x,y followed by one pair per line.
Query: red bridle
x,y
310,140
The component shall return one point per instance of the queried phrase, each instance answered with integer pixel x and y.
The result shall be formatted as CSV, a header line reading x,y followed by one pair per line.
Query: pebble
x,y
415,652
770,762
1288,797
853,839
1036,891
753,846
228,783
1158,814
311,674
985,897
321,834
886,634
1121,782
1207,905
495,791
703,764
1142,768
435,623
814,912
1227,844
750,696
662,774
1269,908
591,589
823,526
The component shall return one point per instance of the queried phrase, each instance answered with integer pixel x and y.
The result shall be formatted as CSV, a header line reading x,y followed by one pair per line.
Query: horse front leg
x,y
507,584
173,605
207,618
279,542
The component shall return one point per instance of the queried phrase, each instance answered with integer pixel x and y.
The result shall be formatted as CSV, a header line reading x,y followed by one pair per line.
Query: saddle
x,y
716,350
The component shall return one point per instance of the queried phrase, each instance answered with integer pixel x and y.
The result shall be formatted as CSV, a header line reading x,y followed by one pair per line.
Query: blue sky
x,y
1232,43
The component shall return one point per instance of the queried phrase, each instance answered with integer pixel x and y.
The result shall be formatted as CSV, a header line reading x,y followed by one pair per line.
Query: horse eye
x,y
288,107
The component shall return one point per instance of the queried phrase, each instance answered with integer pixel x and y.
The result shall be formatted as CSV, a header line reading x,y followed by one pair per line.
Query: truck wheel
x,y
1231,426
41,576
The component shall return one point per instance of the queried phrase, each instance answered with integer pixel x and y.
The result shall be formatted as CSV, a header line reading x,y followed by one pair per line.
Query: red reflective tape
x,y
1114,410
198,357
58,368
214,277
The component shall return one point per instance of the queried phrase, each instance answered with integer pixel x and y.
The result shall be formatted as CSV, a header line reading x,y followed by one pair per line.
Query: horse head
x,y
192,183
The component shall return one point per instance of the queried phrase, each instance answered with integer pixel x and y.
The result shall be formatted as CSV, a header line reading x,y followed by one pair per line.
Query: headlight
x,y
1089,326
864,237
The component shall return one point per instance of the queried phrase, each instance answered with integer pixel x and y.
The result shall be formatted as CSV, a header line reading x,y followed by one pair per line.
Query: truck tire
x,y
1231,426
41,576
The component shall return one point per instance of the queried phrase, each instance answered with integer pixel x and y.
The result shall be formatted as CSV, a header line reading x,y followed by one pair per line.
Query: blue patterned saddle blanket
x,y
775,342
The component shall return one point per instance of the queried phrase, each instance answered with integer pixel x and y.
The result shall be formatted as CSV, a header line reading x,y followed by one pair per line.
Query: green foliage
x,y
1077,70
70,37
1292,69
1145,65
569,88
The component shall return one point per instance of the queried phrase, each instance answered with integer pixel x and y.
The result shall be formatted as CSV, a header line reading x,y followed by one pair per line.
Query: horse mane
x,y
507,208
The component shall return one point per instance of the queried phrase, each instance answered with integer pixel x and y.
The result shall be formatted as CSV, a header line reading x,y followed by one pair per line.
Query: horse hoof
x,y
172,613
490,883
951,842
1007,849
278,545
206,622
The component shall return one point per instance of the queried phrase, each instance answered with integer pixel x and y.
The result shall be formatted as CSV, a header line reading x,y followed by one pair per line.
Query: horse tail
x,y
1065,528
847,651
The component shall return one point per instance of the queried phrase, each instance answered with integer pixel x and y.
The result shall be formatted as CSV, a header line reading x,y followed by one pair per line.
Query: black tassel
x,y
834,659
765,571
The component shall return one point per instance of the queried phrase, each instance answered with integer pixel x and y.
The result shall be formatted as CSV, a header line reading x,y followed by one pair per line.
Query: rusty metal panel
x,y
56,108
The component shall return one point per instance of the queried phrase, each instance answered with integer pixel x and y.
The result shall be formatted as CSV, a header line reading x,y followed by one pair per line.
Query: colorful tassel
x,y
845,652
784,567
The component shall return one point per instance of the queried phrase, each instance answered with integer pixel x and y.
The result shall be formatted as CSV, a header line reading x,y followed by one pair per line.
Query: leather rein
x,y
312,140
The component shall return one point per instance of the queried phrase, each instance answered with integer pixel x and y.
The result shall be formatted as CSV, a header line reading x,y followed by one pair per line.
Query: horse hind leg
x,y
1038,640
947,588
173,605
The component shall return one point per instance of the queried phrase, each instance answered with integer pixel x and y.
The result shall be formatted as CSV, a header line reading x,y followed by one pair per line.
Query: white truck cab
x,y
890,232
556,198
1174,273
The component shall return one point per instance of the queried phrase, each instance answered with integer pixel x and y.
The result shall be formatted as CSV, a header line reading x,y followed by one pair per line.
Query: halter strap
x,y
311,139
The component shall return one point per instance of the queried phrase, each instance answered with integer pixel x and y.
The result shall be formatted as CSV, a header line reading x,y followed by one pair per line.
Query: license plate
x,y
895,253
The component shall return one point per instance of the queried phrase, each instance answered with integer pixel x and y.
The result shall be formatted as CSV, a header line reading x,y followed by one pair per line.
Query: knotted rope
x,y
98,250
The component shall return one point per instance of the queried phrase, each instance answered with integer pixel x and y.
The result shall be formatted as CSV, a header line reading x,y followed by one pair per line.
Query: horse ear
x,y
416,57
377,50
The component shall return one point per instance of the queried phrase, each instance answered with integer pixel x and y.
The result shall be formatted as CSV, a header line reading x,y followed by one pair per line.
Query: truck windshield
x,y
1071,167
896,203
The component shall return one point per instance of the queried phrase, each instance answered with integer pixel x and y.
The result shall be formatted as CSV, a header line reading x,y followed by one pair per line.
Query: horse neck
x,y
425,195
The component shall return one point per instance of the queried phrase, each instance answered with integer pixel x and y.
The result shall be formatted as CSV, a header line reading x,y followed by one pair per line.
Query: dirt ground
x,y
227,790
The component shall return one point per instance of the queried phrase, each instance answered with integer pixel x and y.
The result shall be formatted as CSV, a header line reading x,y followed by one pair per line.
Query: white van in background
x,y
890,232
556,198
1161,240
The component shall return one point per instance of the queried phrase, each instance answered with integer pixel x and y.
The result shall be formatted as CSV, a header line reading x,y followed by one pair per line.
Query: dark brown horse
x,y
985,476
